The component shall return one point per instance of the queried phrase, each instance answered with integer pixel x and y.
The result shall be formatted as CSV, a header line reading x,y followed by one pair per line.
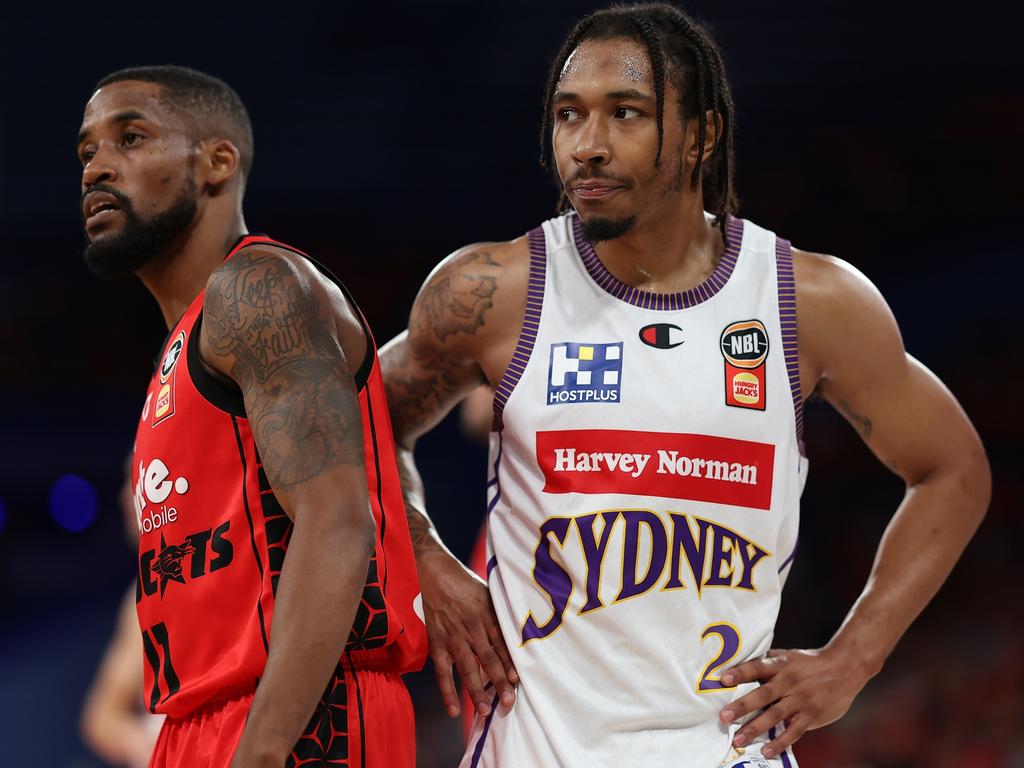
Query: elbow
x,y
978,483
974,481
983,483
90,727
359,532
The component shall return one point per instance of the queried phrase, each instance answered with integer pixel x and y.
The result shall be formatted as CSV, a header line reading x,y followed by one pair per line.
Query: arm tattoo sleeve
x,y
262,320
423,379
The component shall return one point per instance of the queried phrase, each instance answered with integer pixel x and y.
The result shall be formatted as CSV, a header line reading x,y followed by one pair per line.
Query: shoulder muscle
x,y
844,324
470,299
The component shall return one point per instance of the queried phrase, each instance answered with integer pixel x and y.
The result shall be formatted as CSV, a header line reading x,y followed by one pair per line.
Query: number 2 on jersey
x,y
159,635
730,637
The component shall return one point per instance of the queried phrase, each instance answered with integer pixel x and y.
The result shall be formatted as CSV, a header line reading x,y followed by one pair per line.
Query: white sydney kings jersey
x,y
643,502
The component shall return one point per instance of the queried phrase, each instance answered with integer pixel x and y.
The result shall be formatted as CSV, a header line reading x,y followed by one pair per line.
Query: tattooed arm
x,y
852,352
281,332
462,330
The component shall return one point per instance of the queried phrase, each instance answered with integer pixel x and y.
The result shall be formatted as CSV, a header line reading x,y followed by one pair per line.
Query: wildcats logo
x,y
207,551
165,397
584,373
661,335
745,349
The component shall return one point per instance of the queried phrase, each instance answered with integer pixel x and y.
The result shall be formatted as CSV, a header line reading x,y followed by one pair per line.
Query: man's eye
x,y
626,113
87,155
568,115
131,138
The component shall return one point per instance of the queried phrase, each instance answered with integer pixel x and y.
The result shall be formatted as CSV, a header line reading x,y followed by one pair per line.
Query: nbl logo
x,y
584,373
745,349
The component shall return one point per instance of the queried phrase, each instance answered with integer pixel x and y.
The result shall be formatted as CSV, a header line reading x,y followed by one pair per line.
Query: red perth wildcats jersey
x,y
213,537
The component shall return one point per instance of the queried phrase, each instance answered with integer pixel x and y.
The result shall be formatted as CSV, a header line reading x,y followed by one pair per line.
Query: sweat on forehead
x,y
621,56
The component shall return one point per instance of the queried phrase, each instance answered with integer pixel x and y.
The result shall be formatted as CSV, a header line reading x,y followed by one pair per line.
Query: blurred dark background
x,y
389,134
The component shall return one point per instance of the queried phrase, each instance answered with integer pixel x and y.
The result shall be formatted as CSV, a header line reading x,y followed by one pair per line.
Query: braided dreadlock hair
x,y
678,48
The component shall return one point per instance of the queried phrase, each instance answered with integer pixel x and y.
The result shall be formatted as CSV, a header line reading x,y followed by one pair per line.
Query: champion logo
x,y
661,335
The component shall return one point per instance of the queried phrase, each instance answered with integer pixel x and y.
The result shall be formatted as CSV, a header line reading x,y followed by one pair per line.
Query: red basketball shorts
x,y
364,720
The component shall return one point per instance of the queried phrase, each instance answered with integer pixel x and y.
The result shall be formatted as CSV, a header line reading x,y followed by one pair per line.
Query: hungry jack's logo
x,y
745,349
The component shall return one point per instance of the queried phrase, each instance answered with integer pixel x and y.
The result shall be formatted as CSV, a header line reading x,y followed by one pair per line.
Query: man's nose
x,y
593,147
99,169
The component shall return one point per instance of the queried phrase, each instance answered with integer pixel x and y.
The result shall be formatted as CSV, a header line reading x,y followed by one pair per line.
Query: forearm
x,y
318,593
920,546
109,727
425,539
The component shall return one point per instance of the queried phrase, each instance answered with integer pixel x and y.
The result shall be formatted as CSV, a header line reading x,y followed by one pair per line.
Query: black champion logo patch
x,y
661,335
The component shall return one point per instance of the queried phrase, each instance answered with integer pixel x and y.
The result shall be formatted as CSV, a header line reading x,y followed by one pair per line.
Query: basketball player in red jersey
x,y
639,120
276,579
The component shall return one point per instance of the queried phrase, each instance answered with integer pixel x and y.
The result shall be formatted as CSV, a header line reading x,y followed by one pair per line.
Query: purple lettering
x,y
550,577
631,584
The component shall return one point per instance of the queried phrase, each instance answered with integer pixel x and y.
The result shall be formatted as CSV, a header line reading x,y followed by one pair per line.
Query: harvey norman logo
x,y
666,464
584,373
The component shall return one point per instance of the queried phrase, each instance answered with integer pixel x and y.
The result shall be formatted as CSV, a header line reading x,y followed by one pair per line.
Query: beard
x,y
600,228
139,241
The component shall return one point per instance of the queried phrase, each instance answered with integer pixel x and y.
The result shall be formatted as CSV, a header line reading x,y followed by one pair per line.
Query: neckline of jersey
x,y
638,297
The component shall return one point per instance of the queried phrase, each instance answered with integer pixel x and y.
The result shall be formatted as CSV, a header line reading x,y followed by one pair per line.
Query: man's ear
x,y
219,161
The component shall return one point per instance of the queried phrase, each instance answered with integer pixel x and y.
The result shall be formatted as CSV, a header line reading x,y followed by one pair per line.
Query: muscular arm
x,y
270,325
851,346
915,426
462,329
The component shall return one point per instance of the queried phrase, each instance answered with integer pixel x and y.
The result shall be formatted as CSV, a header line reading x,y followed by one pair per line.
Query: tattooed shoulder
x,y
259,310
266,328
460,296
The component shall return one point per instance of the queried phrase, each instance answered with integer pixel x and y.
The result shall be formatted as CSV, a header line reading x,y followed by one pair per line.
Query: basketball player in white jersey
x,y
650,354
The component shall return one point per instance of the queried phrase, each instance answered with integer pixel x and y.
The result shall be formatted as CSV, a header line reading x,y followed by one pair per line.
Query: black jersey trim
x,y
380,492
213,391
359,709
252,531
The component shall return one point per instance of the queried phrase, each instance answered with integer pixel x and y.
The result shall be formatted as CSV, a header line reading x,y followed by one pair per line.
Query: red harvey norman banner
x,y
668,464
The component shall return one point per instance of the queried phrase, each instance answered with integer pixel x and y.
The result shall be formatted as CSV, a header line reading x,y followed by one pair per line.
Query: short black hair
x,y
678,45
210,106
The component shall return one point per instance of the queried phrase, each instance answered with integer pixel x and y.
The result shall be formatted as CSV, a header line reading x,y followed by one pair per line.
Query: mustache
x,y
101,187
589,174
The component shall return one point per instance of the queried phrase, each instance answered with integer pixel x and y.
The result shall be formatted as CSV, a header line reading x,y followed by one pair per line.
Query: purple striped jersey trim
x,y
711,285
531,324
497,484
786,762
787,319
788,560
483,735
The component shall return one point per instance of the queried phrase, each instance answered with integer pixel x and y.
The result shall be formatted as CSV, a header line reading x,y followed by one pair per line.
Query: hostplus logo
x,y
585,373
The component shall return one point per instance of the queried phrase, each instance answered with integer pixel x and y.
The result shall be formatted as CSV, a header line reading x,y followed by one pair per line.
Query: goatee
x,y
139,241
599,229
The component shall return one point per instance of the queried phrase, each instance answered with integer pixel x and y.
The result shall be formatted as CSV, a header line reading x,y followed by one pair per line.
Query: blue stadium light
x,y
73,503
3,515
